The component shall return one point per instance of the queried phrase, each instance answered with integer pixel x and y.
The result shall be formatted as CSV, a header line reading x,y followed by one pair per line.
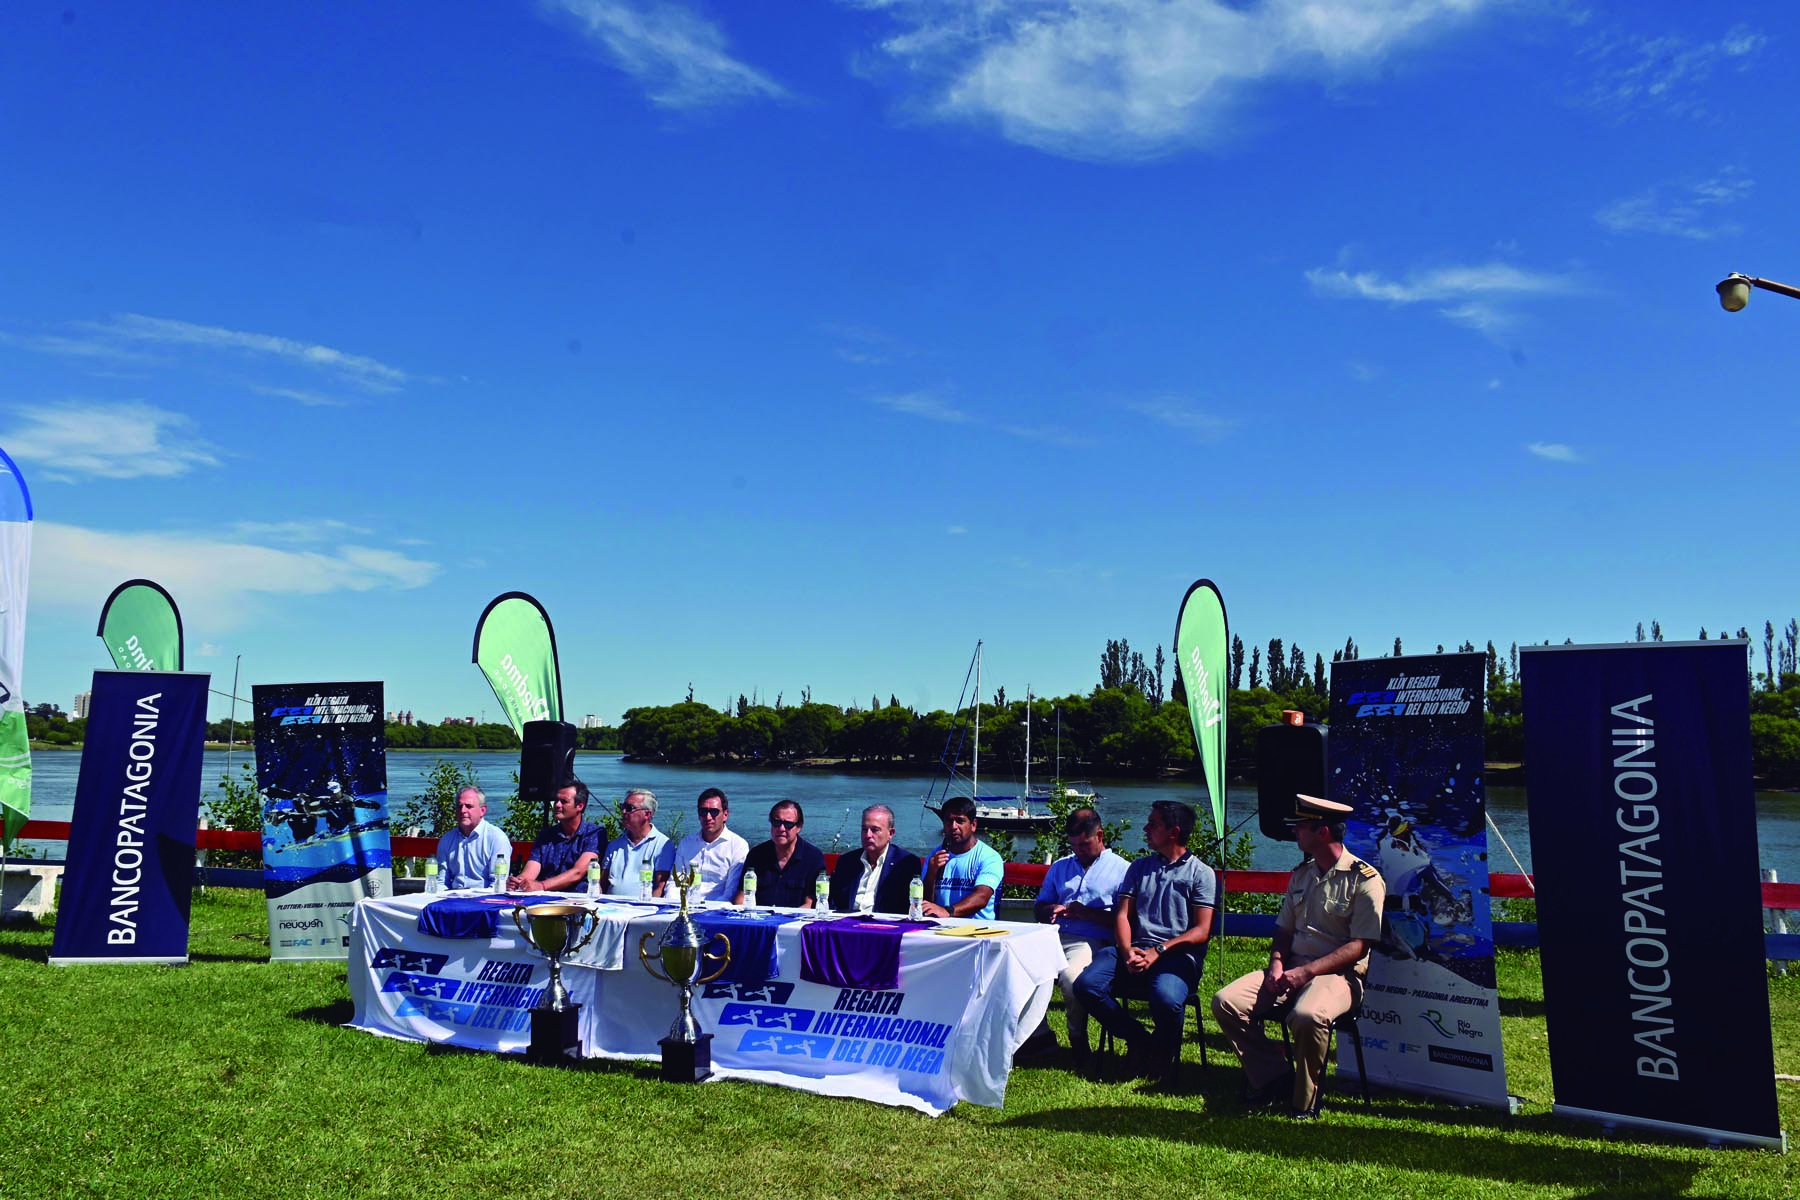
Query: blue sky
x,y
776,346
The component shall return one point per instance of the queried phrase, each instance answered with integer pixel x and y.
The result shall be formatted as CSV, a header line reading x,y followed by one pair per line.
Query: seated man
x,y
877,879
560,856
1077,897
1161,923
639,844
1330,918
465,854
787,866
715,854
963,875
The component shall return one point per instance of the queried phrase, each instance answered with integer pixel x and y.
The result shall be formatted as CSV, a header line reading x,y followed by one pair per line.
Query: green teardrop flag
x,y
515,648
142,627
1201,646
15,562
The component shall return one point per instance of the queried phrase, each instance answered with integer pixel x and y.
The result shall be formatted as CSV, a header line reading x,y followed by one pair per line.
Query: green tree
x,y
238,805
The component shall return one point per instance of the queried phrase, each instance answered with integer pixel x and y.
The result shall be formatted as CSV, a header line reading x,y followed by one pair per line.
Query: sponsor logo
x,y
1411,1048
1371,1043
1386,1016
1435,1019
407,960
1474,1060
315,923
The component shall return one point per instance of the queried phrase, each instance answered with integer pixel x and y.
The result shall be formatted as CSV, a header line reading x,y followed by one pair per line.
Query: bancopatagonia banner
x,y
321,765
1643,844
142,627
1407,750
15,564
515,647
130,873
1202,650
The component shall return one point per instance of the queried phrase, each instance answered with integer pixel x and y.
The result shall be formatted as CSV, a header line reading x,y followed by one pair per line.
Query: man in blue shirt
x,y
963,876
1077,897
1161,924
466,854
639,844
560,856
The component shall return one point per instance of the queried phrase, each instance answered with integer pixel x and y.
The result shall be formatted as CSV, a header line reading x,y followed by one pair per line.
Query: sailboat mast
x,y
975,775
1028,742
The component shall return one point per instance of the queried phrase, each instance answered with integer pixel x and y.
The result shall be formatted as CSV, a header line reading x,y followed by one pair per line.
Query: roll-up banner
x,y
1202,642
130,873
15,564
141,627
321,765
1407,750
1643,844
515,647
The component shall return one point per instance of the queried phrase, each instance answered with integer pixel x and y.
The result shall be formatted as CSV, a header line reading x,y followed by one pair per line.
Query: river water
x,y
832,802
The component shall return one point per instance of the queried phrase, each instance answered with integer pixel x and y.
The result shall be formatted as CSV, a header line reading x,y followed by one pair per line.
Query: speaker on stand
x,y
1290,758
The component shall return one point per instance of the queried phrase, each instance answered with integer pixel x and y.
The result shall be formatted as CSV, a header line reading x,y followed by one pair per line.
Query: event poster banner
x,y
1202,641
1643,843
515,647
321,765
1407,749
141,627
15,570
130,873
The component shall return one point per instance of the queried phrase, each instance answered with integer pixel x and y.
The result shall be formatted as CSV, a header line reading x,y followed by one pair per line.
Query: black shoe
x,y
1302,1114
1277,1090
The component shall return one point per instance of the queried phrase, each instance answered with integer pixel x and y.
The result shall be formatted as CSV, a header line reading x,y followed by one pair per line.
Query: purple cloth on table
x,y
752,934
854,952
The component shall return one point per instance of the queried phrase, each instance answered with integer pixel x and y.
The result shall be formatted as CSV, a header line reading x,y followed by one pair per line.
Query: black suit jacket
x,y
900,870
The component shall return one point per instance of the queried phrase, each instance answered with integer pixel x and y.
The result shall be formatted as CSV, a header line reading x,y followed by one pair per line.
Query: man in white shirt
x,y
639,844
465,854
877,879
715,853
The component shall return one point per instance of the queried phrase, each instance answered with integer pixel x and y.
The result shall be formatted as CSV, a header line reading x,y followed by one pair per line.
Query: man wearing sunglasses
x,y
640,844
560,856
715,853
787,865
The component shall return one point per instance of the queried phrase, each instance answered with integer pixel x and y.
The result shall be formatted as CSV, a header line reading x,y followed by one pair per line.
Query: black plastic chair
x,y
1345,1024
1126,989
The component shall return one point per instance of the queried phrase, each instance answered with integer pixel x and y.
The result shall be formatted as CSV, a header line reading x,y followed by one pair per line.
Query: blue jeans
x,y
1167,986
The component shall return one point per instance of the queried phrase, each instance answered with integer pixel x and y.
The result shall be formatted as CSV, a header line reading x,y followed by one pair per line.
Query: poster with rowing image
x,y
1407,750
321,767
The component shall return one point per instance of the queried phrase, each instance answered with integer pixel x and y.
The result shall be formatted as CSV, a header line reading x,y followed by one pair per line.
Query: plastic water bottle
x,y
749,888
644,880
502,868
915,898
594,879
433,885
822,892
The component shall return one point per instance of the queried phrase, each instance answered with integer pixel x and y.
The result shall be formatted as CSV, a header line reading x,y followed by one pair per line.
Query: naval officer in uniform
x,y
1330,919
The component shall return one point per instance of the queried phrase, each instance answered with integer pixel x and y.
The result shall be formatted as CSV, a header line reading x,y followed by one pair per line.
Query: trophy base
x,y
686,1062
555,1036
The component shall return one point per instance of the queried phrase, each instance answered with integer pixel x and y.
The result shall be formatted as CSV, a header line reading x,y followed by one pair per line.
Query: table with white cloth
x,y
943,1029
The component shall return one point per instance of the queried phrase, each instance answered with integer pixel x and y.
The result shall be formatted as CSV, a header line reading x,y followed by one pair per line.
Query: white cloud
x,y
1050,435
296,531
208,650
107,441
957,530
212,578
1554,451
1668,73
677,56
299,396
926,405
1483,297
1180,416
1131,79
367,373
1679,209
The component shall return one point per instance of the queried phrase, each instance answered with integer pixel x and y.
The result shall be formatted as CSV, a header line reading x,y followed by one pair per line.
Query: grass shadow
x,y
336,1013
1513,1006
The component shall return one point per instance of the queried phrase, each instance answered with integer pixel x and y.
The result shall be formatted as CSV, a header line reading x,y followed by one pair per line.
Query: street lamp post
x,y
1734,290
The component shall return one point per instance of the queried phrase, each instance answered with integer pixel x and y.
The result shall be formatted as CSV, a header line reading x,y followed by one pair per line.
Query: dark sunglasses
x,y
774,821
711,812
628,809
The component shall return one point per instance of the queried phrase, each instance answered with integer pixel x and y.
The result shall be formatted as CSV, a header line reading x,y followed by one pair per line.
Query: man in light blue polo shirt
x,y
1077,897
639,844
963,877
466,854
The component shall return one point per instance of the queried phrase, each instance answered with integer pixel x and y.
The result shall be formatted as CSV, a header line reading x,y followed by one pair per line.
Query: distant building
x,y
592,722
82,700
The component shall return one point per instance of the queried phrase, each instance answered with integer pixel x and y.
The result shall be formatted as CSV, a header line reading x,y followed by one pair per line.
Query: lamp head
x,y
1734,292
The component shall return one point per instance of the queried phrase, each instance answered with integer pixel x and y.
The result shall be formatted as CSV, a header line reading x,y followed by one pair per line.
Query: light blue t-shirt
x,y
978,866
624,863
1095,885
468,862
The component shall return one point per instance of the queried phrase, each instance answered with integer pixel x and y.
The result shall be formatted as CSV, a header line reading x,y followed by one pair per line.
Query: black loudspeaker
x,y
1289,759
546,761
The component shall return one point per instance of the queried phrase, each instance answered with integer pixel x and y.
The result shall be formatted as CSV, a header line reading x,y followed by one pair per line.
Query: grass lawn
x,y
231,1077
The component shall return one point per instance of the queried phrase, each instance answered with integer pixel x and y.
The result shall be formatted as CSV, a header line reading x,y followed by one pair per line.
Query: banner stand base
x,y
1716,1138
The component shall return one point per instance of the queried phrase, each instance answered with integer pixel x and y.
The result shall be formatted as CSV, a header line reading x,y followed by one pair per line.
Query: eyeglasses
x,y
628,809
777,821
711,812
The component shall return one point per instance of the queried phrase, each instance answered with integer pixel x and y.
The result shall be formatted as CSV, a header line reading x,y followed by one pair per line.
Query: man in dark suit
x,y
877,879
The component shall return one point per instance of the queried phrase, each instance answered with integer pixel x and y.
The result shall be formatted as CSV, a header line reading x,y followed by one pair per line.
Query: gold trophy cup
x,y
681,954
